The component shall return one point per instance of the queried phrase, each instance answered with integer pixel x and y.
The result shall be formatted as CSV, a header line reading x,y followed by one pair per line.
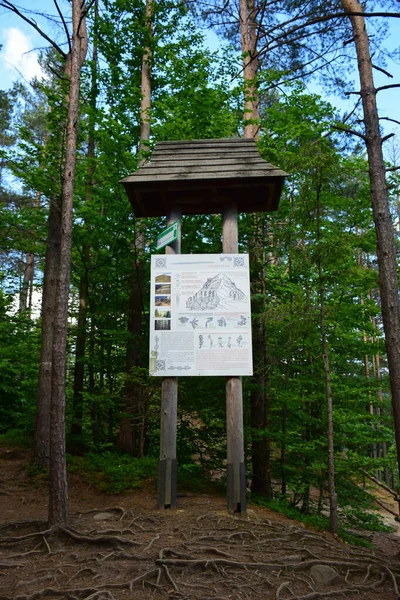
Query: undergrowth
x,y
115,473
17,438
349,517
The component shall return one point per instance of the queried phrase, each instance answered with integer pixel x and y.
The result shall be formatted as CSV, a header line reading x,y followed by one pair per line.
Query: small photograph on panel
x,y
162,300
162,324
163,288
162,314
163,278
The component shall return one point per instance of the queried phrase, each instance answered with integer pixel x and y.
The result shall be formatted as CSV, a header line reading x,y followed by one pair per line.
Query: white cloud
x,y
16,54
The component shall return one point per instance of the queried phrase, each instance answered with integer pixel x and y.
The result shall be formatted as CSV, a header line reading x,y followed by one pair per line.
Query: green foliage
x,y
350,517
19,359
194,96
360,519
16,438
196,478
115,473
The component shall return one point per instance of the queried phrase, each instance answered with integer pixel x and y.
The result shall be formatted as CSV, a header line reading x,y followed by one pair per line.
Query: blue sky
x,y
21,43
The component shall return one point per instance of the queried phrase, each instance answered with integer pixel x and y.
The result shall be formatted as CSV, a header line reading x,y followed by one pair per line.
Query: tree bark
x,y
41,453
333,515
259,400
260,446
80,345
248,38
58,501
132,427
386,253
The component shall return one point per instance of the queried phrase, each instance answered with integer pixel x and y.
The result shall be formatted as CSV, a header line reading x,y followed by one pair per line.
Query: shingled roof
x,y
202,176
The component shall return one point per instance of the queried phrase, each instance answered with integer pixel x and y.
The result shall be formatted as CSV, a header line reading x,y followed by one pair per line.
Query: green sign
x,y
168,236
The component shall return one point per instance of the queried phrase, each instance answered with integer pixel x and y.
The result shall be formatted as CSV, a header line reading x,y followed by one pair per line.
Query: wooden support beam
x,y
236,474
167,466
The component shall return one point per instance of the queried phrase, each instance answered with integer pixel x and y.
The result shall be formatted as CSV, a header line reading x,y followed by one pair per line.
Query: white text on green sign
x,y
168,236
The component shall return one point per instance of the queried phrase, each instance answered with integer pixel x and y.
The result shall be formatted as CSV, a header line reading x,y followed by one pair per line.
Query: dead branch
x,y
387,137
380,483
14,9
382,505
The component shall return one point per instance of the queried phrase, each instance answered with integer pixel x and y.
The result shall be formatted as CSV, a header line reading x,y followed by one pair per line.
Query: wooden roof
x,y
202,176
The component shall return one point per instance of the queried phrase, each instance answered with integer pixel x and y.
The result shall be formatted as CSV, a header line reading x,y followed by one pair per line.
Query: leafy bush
x,y
350,517
115,473
16,438
361,519
196,478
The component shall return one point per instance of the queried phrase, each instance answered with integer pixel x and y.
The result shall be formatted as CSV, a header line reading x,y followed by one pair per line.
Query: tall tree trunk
x,y
333,517
27,280
260,447
42,429
80,345
132,430
259,400
386,252
25,298
58,501
248,38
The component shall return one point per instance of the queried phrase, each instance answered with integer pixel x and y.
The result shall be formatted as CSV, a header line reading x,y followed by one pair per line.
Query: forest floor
x,y
122,547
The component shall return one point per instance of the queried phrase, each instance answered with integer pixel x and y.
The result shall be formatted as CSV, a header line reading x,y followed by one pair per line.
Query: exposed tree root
x,y
98,539
207,557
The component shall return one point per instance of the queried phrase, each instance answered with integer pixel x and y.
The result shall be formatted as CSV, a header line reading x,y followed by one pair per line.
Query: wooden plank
x,y
204,143
140,178
212,170
207,153
202,162
169,408
178,151
208,140
234,403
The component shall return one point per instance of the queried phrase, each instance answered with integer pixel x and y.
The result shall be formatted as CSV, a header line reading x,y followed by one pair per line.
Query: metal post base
x,y
236,493
167,477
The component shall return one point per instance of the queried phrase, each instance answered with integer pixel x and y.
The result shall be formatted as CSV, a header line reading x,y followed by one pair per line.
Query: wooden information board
x,y
200,315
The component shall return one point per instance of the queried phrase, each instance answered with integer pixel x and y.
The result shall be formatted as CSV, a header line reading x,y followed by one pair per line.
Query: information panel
x,y
200,320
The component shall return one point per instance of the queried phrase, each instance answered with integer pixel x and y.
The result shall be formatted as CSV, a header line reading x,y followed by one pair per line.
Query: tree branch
x,y
387,87
351,131
64,24
387,137
382,70
389,119
14,9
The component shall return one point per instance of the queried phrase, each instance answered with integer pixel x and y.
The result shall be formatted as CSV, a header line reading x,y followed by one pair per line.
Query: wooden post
x,y
236,475
167,467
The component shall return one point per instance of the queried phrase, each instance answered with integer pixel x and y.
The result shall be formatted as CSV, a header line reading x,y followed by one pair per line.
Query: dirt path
x,y
121,547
